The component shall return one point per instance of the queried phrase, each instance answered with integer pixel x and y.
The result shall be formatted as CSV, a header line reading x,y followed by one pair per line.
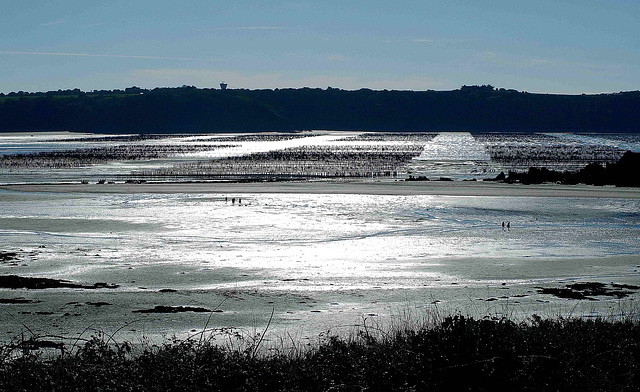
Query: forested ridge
x,y
190,109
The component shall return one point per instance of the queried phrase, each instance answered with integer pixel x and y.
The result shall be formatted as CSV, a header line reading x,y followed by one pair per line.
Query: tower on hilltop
x,y
223,86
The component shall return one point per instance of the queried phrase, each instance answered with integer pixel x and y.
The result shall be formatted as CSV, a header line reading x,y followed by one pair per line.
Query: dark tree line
x,y
188,109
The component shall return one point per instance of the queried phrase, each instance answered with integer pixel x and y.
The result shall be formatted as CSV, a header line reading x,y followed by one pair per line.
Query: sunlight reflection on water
x,y
455,155
454,146
359,248
355,240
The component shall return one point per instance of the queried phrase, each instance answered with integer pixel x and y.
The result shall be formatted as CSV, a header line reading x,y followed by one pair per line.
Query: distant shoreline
x,y
400,188
189,109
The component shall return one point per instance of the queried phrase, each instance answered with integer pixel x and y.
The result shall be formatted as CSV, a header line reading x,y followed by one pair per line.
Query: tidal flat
x,y
313,256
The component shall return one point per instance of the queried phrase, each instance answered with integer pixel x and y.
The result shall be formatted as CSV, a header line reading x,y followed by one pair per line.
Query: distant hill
x,y
189,109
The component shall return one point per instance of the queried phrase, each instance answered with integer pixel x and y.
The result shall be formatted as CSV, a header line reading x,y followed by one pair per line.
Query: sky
x,y
573,47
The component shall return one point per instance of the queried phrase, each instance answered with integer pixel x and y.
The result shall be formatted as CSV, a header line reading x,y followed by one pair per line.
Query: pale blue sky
x,y
586,46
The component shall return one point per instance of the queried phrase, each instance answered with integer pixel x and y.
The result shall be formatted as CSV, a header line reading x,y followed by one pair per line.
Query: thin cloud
x,y
246,28
432,40
336,57
457,40
93,25
503,60
109,55
55,22
445,40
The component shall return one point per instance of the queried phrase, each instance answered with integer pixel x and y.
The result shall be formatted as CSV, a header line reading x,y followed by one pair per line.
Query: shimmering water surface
x,y
347,250
458,155
349,240
318,260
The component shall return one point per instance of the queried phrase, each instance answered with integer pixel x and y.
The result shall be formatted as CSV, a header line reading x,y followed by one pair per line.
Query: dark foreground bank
x,y
458,354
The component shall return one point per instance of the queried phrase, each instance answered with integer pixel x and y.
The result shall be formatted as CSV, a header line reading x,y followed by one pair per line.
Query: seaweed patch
x,y
589,290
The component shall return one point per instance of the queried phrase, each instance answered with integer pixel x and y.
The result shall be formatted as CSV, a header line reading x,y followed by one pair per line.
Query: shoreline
x,y
397,188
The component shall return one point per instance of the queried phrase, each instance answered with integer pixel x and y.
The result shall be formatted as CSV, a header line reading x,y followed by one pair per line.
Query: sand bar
x,y
447,188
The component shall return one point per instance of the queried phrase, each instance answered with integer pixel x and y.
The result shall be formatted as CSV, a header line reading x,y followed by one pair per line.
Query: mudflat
x,y
447,188
183,261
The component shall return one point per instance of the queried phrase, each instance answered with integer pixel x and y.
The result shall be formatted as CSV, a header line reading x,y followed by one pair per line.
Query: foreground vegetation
x,y
458,353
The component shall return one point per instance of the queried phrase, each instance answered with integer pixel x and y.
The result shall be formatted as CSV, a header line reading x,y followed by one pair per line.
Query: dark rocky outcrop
x,y
8,256
18,301
176,309
20,282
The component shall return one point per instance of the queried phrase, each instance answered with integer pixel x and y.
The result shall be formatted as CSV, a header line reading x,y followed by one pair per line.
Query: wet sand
x,y
446,188
305,312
